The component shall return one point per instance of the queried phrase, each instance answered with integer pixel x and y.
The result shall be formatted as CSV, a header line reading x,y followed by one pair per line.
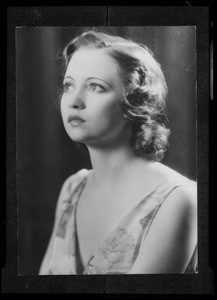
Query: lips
x,y
75,120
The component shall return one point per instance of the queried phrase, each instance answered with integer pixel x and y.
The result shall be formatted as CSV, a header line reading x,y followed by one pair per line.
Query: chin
x,y
77,139
75,134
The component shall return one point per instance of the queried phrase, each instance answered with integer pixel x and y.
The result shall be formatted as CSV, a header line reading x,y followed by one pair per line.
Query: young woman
x,y
130,214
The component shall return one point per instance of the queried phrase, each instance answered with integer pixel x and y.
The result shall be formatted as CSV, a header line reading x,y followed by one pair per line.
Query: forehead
x,y
93,62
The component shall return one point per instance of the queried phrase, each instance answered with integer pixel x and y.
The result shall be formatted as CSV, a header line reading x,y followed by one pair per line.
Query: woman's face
x,y
90,104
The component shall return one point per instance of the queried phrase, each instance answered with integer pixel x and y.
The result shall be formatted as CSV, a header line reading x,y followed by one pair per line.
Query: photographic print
x,y
107,140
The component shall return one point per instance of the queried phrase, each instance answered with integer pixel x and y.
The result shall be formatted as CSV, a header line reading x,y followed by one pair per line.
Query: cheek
x,y
108,119
63,108
113,114
108,108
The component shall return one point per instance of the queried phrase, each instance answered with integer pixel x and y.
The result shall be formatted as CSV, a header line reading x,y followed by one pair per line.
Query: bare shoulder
x,y
172,237
182,200
164,172
179,208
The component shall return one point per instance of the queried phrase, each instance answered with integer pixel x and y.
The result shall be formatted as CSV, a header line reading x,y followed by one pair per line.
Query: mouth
x,y
75,120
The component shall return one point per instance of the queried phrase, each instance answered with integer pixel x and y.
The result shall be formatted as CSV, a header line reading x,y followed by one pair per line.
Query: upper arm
x,y
172,236
62,196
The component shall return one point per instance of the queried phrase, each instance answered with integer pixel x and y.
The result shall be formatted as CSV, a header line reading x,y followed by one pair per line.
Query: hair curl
x,y
143,102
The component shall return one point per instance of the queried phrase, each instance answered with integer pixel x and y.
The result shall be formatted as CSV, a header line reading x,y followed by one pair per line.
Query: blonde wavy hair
x,y
143,103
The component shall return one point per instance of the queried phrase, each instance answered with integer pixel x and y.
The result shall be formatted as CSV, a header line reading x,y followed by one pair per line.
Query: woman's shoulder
x,y
75,179
168,174
177,186
179,198
173,183
70,189
79,175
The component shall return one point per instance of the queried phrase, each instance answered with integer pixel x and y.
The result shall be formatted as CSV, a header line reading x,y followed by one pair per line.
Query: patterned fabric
x,y
117,253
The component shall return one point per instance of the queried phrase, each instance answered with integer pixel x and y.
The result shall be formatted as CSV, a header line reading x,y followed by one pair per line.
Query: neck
x,y
107,162
111,165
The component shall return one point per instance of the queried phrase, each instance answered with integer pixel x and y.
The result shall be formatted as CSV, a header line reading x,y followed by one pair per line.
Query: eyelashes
x,y
68,87
92,87
95,87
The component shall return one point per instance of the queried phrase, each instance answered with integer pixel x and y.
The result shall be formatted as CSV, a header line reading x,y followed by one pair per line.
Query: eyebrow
x,y
89,79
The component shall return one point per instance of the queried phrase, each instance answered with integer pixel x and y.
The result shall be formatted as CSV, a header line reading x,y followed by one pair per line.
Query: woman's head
x,y
144,88
92,91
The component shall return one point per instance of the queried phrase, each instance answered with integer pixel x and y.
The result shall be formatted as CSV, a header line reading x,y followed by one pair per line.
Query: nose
x,y
76,101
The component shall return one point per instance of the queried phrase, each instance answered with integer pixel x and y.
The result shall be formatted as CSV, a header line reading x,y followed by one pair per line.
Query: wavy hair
x,y
143,103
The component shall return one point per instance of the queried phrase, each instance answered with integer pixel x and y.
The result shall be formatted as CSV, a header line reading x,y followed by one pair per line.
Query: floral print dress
x,y
119,250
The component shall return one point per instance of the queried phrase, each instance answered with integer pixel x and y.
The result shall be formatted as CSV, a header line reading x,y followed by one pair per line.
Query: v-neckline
x,y
133,207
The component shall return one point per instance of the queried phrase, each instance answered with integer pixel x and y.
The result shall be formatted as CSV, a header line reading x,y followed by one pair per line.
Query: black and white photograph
x,y
106,135
107,124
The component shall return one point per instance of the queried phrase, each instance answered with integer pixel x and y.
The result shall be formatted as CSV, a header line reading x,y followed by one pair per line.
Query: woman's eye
x,y
93,87
67,87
